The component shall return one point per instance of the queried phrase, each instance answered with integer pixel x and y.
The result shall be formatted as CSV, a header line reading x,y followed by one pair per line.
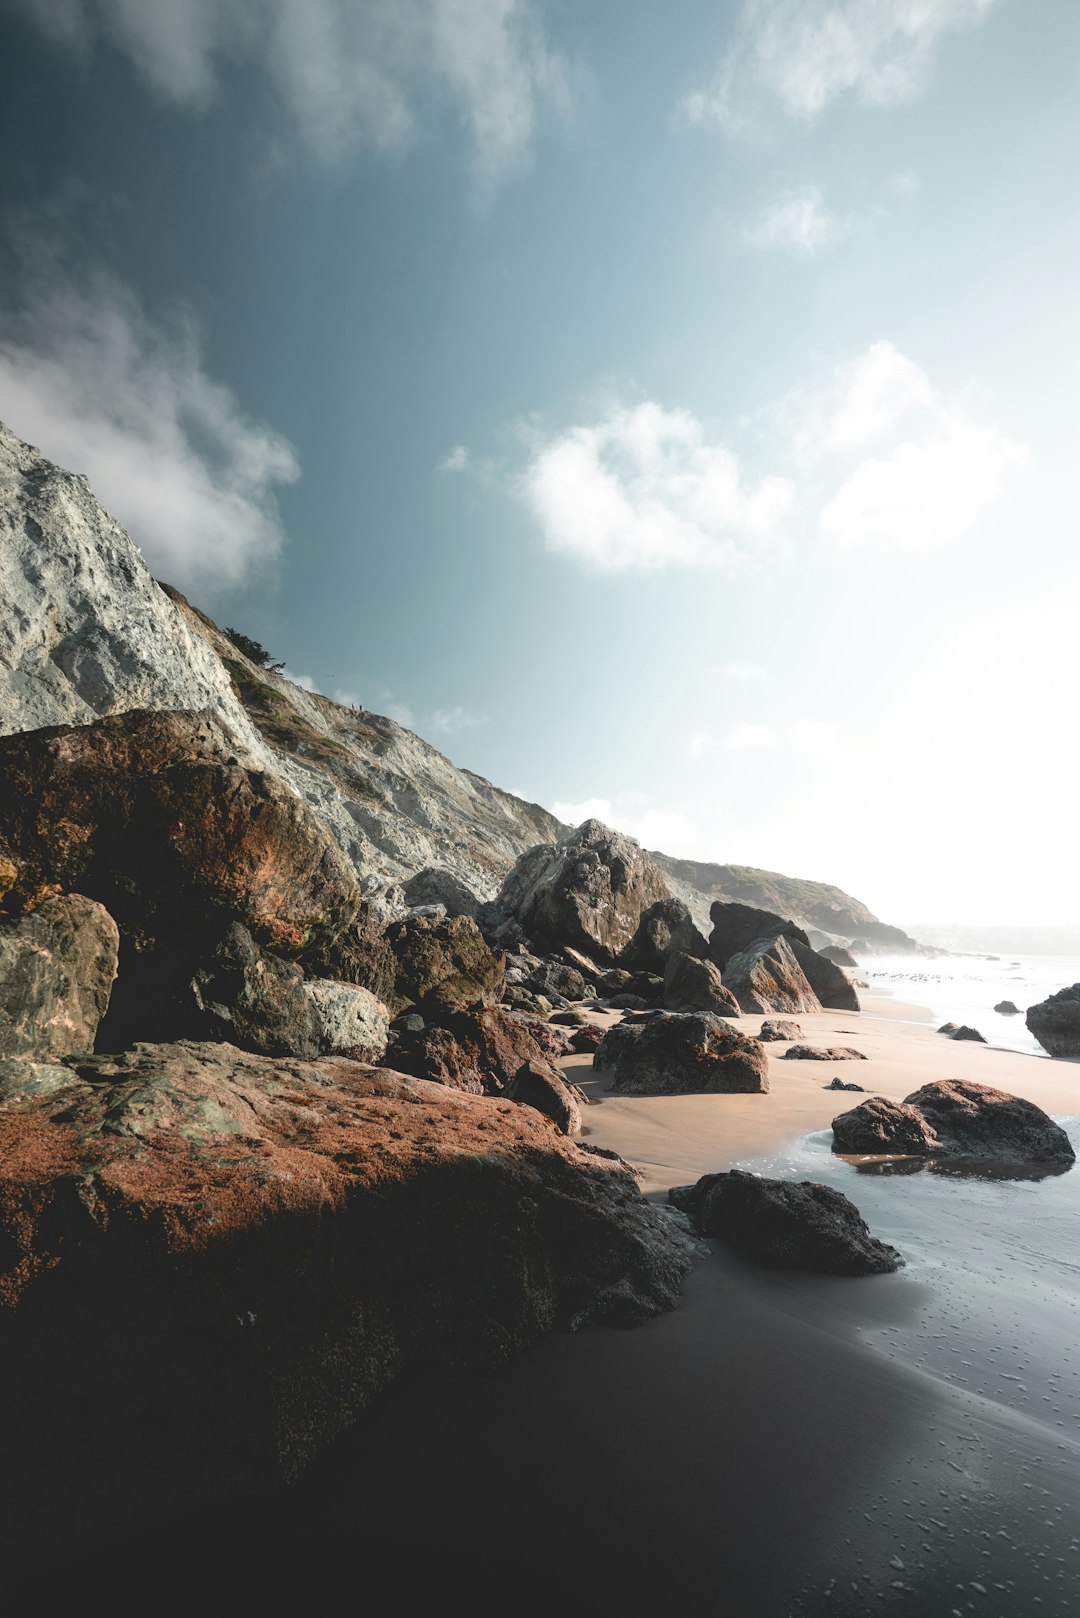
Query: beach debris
x,y
823,1053
779,1028
1055,1022
787,1224
682,1053
954,1118
838,1084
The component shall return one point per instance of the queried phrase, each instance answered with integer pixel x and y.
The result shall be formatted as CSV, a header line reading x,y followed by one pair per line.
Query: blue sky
x,y
669,411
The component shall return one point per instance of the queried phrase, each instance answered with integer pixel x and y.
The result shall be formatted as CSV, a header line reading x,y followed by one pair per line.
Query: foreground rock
x,y
778,1028
786,1224
589,891
691,984
57,969
682,1053
479,1049
539,1087
211,1262
824,1053
766,977
443,960
665,928
1055,1022
954,1119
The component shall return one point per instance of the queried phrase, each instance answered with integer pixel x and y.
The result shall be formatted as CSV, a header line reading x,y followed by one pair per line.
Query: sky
x,y
668,411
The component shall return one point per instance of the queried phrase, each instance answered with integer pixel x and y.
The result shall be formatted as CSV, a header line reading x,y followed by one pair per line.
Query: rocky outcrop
x,y
739,930
443,960
666,928
682,1053
211,1262
830,982
57,968
539,1087
589,891
1055,1022
838,955
786,1224
824,1053
766,977
954,1118
479,1049
439,886
737,926
692,984
779,1028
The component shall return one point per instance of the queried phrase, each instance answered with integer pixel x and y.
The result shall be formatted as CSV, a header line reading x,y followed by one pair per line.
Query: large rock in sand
x,y
589,890
830,982
1055,1022
666,928
57,968
953,1118
737,926
789,1225
478,1048
691,984
766,977
211,1262
682,1053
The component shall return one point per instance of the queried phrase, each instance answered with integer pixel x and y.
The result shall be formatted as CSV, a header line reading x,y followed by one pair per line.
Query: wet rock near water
x,y
790,1225
1006,1008
964,1032
682,1053
1055,1022
954,1118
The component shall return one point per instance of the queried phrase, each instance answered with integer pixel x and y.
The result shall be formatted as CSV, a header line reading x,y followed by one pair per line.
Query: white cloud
x,y
348,72
669,830
799,221
456,461
101,389
807,53
304,681
448,721
744,738
643,488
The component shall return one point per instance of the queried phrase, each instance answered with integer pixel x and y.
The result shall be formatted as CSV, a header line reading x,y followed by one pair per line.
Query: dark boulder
x,y
948,1028
252,999
829,982
838,955
555,978
574,1018
443,960
964,1032
1007,1009
824,1053
476,1048
588,891
1055,1022
839,1084
682,1053
666,927
539,1087
766,977
57,968
587,1038
627,1002
955,1119
786,1224
737,926
776,1028
693,984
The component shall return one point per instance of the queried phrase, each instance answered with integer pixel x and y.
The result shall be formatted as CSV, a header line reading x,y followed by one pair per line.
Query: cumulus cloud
x,y
808,53
304,681
800,221
347,72
102,389
449,721
645,487
456,461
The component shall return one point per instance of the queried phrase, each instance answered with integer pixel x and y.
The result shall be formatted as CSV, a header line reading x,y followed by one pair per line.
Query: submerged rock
x,y
57,969
1055,1022
682,1053
954,1118
692,984
824,1053
790,1225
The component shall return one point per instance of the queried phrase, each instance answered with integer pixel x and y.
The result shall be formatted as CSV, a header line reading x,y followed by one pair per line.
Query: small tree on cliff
x,y
253,650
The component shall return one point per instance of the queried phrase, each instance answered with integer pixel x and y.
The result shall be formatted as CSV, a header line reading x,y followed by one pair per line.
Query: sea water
x,y
965,988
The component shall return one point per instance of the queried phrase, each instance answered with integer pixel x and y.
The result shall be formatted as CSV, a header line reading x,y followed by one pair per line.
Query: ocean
x,y
965,988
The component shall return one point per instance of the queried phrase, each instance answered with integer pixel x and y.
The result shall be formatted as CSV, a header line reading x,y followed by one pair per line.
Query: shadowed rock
x,y
438,886
767,977
954,1118
839,1084
1055,1022
692,984
666,927
1007,1009
829,982
964,1032
57,968
477,1048
587,1039
737,926
443,960
682,1053
838,955
788,1225
539,1087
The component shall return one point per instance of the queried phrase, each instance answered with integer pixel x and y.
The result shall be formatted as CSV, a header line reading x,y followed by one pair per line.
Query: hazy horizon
x,y
670,414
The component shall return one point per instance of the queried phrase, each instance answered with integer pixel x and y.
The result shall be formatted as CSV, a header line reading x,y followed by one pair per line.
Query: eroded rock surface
x,y
957,1119
766,977
693,984
665,928
57,969
778,1028
682,1053
790,1225
1055,1022
824,1053
736,926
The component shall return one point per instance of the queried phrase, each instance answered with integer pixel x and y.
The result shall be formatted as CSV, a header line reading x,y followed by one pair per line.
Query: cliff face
x,y
88,632
814,904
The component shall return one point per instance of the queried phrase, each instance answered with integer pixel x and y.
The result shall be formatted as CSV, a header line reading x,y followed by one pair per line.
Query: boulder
x,y
838,955
57,968
476,1048
589,891
587,1038
839,1084
775,1028
667,926
351,1021
964,1032
1007,1009
788,1225
829,982
436,885
953,1118
211,1262
766,977
539,1087
682,1053
152,815
251,998
693,984
590,971
627,1002
553,978
737,926
443,960
823,1053
1055,1022
948,1028
536,1005
574,1018
361,954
